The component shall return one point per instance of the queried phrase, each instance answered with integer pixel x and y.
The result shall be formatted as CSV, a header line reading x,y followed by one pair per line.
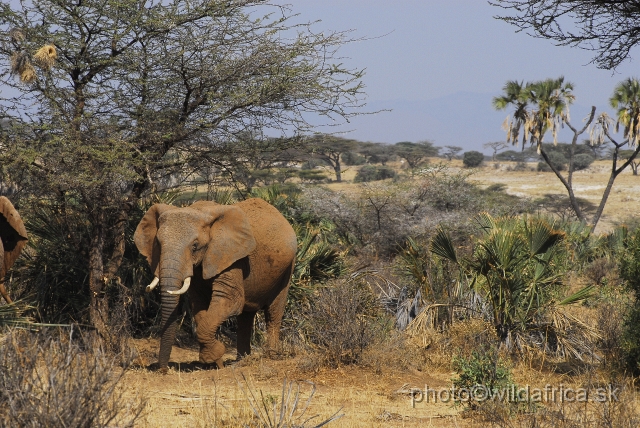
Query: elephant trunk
x,y
171,281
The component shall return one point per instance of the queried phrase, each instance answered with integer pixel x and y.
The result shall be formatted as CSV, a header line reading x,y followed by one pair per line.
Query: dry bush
x,y
53,380
599,269
344,321
610,319
437,348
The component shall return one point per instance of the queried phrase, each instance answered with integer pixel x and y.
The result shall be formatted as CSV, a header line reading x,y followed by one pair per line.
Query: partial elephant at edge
x,y
231,259
13,238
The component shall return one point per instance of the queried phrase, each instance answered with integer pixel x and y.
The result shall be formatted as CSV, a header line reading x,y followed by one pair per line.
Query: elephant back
x,y
271,230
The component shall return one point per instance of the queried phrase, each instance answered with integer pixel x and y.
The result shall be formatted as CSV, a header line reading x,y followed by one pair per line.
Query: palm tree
x,y
539,107
626,100
552,98
515,93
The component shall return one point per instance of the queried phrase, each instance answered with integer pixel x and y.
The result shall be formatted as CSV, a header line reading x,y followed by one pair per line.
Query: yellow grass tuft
x,y
28,74
46,56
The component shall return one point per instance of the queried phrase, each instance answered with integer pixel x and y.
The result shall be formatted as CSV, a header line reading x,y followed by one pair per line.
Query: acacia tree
x,y
496,146
452,151
250,157
141,90
610,28
415,154
546,108
330,148
376,152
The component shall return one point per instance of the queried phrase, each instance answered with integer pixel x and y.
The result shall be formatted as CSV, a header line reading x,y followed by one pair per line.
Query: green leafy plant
x,y
516,265
629,263
484,368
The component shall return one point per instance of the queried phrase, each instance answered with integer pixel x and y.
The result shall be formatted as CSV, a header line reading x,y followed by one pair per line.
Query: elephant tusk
x,y
153,284
185,287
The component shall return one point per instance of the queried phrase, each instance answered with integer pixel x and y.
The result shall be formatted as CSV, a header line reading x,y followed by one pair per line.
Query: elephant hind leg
x,y
245,330
3,292
274,312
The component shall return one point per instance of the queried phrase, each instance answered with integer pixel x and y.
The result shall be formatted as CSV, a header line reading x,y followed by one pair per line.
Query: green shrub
x,y
518,265
557,159
374,173
484,368
582,161
472,159
629,262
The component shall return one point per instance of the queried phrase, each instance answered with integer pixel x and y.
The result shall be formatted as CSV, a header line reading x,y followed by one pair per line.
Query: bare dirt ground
x,y
193,397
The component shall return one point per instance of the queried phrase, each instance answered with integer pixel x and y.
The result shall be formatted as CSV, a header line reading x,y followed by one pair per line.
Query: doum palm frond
x,y
626,101
442,245
516,94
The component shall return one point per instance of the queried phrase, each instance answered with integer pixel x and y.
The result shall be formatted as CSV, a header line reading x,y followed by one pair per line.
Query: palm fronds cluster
x,y
517,266
538,107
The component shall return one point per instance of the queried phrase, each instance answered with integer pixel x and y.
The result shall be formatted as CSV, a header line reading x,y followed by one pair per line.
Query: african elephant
x,y
13,238
233,260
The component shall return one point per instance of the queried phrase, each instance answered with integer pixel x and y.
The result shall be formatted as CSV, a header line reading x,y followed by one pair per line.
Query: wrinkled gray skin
x,y
239,259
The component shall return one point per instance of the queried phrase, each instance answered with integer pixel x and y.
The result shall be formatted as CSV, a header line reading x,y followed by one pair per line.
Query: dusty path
x,y
188,397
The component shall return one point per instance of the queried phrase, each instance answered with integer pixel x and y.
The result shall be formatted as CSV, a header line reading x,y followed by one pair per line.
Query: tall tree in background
x,y
415,154
610,28
142,90
330,148
496,146
376,152
452,151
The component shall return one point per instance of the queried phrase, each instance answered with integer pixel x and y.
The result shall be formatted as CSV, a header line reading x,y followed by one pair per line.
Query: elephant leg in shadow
x,y
211,307
275,311
272,316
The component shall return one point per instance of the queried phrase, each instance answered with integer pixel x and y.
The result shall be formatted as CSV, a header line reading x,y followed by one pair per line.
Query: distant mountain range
x,y
464,119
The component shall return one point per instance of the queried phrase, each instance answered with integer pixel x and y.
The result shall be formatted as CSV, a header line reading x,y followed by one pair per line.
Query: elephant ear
x,y
12,232
230,237
145,235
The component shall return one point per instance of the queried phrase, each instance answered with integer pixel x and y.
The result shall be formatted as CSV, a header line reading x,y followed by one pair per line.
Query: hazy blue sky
x,y
443,61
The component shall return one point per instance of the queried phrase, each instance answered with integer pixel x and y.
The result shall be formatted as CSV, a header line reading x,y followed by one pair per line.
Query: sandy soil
x,y
190,396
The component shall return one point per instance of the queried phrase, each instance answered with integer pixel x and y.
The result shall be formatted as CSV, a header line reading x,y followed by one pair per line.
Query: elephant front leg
x,y
226,301
211,349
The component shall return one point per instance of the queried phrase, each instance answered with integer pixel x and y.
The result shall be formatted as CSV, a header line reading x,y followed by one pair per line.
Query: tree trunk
x,y
98,304
338,172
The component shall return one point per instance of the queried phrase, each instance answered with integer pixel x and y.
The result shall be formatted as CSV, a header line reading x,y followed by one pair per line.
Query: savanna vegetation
x,y
408,264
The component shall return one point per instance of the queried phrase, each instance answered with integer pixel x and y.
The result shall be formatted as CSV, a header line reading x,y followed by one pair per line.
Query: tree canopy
x,y
141,91
415,153
610,28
